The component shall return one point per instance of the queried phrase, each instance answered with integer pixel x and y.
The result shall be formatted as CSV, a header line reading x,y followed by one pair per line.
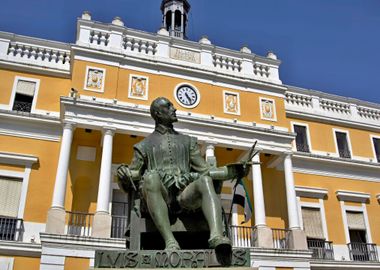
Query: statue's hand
x,y
123,173
238,170
124,176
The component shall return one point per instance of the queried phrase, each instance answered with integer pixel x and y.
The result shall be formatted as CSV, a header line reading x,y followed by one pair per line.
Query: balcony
x,y
280,238
322,249
11,229
242,236
118,226
79,223
363,252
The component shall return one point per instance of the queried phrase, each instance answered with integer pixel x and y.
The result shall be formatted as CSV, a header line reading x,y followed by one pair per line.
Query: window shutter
x,y
10,193
312,222
355,220
26,88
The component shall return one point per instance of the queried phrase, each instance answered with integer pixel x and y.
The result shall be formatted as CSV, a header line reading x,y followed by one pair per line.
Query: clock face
x,y
187,96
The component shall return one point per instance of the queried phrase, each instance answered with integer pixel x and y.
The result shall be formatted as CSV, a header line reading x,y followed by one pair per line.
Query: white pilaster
x,y
105,172
291,193
258,193
63,166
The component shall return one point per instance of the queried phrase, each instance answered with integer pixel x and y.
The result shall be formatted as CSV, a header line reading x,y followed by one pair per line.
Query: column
x,y
182,25
173,24
56,215
102,218
297,237
264,234
291,198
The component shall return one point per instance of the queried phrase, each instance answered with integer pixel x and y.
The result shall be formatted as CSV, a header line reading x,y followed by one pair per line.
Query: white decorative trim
x,y
24,176
292,123
136,120
321,207
14,88
30,126
274,119
360,209
225,93
336,167
17,159
24,191
101,90
311,192
179,102
348,141
145,97
352,196
176,71
6,263
13,248
373,147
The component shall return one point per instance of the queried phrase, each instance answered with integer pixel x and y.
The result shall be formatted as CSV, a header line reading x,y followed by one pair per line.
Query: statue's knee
x,y
152,182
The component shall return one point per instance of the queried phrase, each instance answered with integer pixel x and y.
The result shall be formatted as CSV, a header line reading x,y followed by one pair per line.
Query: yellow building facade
x,y
71,113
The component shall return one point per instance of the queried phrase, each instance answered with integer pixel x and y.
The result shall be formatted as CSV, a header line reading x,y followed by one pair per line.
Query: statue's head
x,y
163,111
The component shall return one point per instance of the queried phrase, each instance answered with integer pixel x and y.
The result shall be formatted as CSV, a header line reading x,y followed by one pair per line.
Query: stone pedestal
x,y
55,223
297,240
102,225
264,238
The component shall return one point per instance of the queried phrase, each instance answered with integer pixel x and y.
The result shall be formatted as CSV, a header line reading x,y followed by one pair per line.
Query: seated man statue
x,y
173,176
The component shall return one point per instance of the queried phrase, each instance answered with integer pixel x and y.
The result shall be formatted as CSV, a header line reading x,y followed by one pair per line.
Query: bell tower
x,y
175,16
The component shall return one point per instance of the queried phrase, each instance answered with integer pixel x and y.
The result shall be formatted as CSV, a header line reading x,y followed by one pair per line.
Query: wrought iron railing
x,y
363,252
11,229
344,153
321,249
280,238
79,223
242,236
22,106
302,147
119,226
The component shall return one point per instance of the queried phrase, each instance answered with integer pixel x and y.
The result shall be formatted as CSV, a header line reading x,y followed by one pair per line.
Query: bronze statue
x,y
173,176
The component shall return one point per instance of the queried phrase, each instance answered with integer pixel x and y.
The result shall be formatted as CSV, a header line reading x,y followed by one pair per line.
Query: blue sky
x,y
327,45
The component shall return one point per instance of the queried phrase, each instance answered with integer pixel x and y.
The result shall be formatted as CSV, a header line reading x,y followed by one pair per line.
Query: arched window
x,y
168,20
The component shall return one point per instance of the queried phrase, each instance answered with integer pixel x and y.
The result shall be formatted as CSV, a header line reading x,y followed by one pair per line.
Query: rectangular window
x,y
376,145
24,95
301,139
312,223
342,142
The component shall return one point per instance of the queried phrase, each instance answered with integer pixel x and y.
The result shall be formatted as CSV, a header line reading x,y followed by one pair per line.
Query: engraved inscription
x,y
167,259
185,55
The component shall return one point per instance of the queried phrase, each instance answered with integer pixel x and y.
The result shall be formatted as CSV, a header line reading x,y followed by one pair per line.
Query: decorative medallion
x,y
268,109
231,102
95,79
138,87
187,95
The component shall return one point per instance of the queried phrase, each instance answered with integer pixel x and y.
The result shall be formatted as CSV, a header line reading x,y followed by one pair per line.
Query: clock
x,y
187,96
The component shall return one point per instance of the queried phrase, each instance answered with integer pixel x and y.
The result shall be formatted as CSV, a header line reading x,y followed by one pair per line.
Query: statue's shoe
x,y
223,249
219,241
172,245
